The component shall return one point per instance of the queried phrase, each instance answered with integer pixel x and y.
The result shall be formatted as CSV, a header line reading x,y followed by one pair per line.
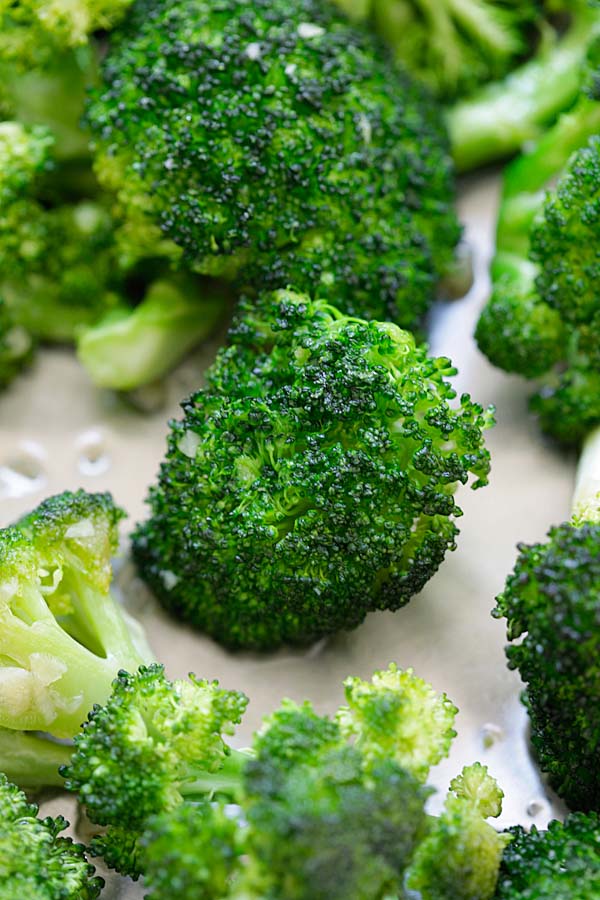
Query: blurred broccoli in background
x,y
324,808
502,117
541,317
454,46
278,148
312,480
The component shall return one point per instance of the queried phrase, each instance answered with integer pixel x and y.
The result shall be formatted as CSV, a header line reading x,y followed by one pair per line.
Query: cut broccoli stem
x,y
31,760
499,119
128,349
586,496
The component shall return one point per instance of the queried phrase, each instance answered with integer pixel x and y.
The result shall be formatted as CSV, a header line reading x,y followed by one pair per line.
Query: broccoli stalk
x,y
63,636
551,605
32,760
327,808
131,347
498,120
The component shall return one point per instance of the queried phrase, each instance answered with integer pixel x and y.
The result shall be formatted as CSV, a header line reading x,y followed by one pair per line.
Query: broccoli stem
x,y
32,761
227,781
500,118
586,496
127,349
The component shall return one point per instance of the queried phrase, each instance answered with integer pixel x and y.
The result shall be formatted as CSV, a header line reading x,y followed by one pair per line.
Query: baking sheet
x,y
57,432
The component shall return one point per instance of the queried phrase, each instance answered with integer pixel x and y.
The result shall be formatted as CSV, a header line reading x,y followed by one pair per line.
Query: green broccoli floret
x,y
562,863
540,320
287,150
16,346
324,808
454,47
131,347
461,855
35,862
31,31
550,602
503,116
311,481
63,637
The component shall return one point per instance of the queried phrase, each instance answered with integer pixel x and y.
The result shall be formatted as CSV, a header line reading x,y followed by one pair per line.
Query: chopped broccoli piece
x,y
454,47
550,602
503,116
63,637
289,150
460,857
321,810
35,862
130,347
312,481
562,863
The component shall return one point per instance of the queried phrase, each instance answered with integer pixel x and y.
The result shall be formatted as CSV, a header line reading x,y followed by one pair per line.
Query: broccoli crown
x,y
16,346
551,602
454,48
462,852
35,862
325,812
281,144
32,31
63,637
313,479
562,863
565,242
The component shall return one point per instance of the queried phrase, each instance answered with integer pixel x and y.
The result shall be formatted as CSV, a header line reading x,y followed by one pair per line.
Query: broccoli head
x,y
16,346
36,863
311,481
63,637
281,147
551,602
324,808
562,863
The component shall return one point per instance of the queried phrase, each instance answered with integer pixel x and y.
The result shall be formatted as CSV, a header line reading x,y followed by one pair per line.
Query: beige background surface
x,y
58,432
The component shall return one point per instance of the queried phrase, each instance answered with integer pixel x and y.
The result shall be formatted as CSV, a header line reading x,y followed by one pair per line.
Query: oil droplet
x,y
491,734
23,472
93,458
534,807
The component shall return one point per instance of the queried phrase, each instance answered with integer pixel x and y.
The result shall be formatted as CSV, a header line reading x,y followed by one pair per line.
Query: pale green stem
x,y
586,497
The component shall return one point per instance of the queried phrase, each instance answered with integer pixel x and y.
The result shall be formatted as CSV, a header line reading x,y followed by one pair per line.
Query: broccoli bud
x,y
312,481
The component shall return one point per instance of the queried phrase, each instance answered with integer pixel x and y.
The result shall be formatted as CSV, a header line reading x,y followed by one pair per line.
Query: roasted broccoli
x,y
63,637
36,863
562,863
454,47
311,481
290,150
324,808
503,116
551,605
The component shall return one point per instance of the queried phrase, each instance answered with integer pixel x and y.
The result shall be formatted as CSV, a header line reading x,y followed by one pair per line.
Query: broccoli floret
x,y
31,31
130,347
503,116
324,808
63,637
453,47
540,320
290,150
311,481
550,602
460,857
36,863
562,863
